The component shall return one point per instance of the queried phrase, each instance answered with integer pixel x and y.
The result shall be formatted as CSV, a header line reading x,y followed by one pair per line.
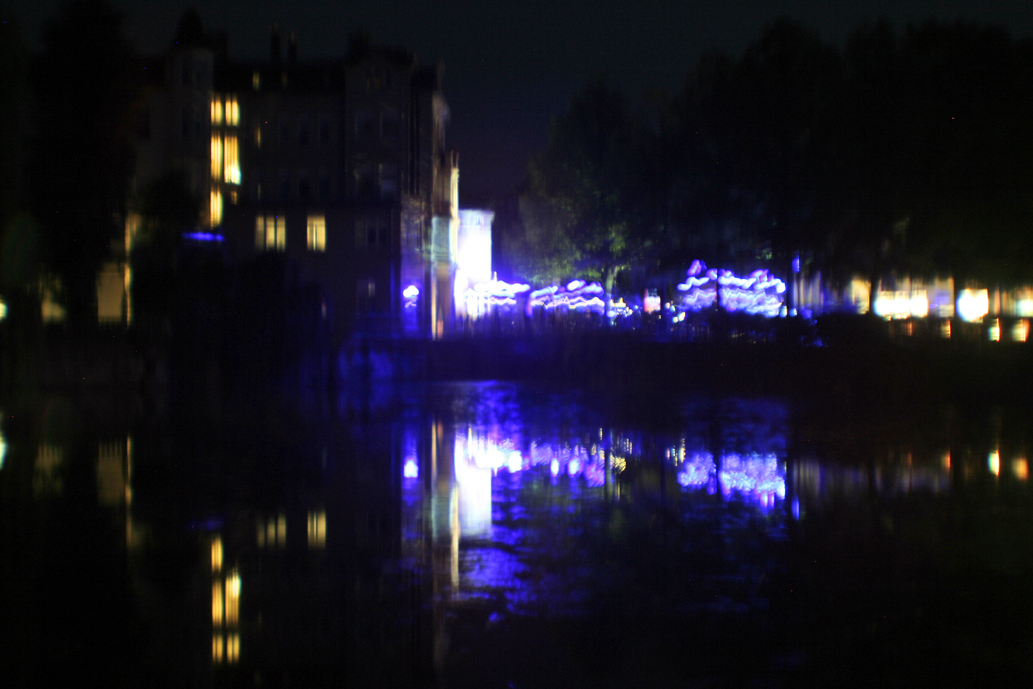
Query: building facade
x,y
338,165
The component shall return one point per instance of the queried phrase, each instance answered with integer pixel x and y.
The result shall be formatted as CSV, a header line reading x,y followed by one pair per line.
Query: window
x,y
365,185
316,233
256,80
388,181
216,110
216,157
317,529
271,233
372,232
364,125
231,161
215,208
258,136
389,125
232,111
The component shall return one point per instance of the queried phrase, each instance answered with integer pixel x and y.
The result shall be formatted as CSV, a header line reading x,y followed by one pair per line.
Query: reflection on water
x,y
450,533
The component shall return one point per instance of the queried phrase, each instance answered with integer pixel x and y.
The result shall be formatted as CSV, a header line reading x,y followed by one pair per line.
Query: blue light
x,y
411,292
411,469
203,236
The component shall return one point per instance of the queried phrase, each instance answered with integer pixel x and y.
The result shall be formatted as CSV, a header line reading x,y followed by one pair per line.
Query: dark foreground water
x,y
502,535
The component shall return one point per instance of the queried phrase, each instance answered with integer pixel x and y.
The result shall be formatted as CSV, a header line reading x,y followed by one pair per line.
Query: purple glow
x,y
411,469
203,236
759,293
576,296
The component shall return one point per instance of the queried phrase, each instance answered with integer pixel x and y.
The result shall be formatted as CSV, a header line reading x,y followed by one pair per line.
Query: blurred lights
x,y
1020,331
317,529
216,554
973,304
993,333
1020,467
993,460
411,469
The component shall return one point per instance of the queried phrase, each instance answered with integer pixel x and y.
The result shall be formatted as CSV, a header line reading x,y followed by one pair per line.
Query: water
x,y
495,534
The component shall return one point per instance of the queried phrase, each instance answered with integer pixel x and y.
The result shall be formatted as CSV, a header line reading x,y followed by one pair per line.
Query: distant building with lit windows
x,y
340,164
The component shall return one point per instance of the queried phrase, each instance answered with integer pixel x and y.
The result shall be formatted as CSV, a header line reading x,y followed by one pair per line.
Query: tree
x,y
85,85
167,208
580,212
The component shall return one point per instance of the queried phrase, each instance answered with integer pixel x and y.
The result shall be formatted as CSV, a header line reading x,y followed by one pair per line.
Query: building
x,y
339,165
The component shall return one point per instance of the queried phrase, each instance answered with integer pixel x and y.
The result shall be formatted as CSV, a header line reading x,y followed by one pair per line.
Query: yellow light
x,y
994,332
947,460
216,157
1020,331
3,309
316,529
994,462
217,111
217,648
232,599
217,606
317,233
233,648
1020,467
215,208
281,531
945,330
216,554
231,165
232,112
258,136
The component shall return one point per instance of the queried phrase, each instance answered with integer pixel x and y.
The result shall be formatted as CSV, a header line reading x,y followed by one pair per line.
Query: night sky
x,y
510,66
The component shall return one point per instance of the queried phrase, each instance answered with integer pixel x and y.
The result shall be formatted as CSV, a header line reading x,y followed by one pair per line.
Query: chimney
x,y
274,44
292,47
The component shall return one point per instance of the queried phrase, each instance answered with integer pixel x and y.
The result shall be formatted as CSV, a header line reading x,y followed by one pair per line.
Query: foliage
x,y
85,85
579,211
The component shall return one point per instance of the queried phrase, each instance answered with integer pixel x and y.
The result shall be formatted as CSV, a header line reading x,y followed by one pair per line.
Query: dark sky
x,y
509,66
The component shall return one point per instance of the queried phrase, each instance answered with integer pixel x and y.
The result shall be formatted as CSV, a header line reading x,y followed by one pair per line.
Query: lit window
x,y
317,232
256,80
217,648
217,111
232,599
231,165
316,529
216,554
232,111
233,648
216,157
217,608
215,208
271,232
258,136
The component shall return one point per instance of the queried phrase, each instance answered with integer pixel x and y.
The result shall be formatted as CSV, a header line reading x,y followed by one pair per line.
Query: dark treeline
x,y
898,153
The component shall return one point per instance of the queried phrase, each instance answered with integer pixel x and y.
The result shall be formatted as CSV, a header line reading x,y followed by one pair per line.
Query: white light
x,y
919,305
993,460
1020,331
973,304
411,292
411,469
